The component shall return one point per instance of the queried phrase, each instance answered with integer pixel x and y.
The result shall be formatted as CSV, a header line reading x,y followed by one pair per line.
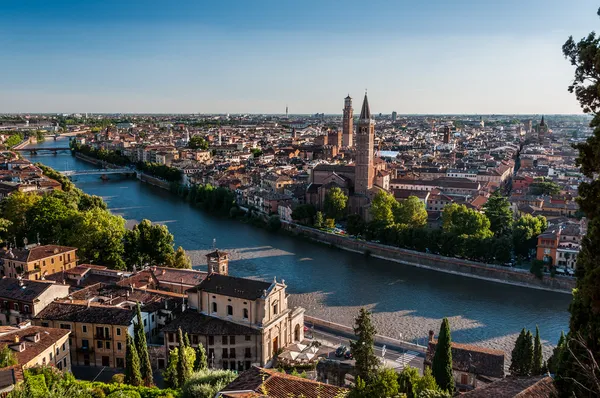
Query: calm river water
x,y
333,284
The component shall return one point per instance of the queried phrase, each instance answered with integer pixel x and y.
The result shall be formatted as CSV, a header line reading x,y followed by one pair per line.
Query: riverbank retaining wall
x,y
451,265
345,331
154,181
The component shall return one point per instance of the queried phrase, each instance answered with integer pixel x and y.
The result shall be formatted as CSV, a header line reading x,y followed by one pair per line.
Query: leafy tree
x,y
142,349
434,394
441,365
335,203
133,375
170,373
7,357
427,382
525,232
585,306
363,348
99,237
408,381
522,355
14,209
319,221
497,210
149,244
304,213
201,362
51,218
460,220
355,225
538,359
382,208
198,142
544,188
206,383
181,259
556,354
274,223
184,367
410,212
330,223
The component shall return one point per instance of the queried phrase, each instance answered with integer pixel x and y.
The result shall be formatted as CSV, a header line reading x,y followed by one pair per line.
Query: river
x,y
331,283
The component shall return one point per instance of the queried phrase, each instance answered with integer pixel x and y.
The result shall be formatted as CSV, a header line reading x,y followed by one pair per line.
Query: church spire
x,y
542,123
365,112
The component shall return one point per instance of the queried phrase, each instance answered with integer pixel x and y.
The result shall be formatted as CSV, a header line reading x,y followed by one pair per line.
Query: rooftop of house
x,y
193,322
83,313
232,286
36,253
46,337
516,387
22,290
258,382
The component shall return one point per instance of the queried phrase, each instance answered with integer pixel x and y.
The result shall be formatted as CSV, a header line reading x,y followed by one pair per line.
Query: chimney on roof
x,y
431,334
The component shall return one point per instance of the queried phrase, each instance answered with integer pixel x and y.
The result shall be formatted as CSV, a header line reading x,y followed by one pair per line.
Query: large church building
x,y
361,179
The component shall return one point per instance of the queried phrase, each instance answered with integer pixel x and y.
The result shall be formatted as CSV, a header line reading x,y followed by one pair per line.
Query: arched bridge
x,y
35,150
70,173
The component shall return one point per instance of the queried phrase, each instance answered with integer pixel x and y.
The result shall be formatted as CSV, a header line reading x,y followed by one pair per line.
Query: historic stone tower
x,y
365,136
218,262
347,124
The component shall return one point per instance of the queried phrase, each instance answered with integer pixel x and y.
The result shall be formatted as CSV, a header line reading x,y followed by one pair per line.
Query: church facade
x,y
359,180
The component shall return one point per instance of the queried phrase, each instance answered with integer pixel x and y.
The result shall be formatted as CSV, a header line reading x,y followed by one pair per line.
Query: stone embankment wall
x,y
337,329
451,265
154,181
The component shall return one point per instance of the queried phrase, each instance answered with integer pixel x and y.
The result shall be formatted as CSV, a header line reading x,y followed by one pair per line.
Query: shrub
x,y
206,383
124,394
118,378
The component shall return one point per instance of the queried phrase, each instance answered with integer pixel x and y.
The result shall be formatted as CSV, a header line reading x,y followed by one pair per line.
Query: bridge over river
x,y
70,173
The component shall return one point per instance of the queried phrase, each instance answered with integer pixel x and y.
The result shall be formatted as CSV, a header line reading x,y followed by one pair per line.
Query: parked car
x,y
340,351
348,355
561,270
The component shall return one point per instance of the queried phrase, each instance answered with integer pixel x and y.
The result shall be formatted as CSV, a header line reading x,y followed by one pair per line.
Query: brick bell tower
x,y
365,137
218,262
348,123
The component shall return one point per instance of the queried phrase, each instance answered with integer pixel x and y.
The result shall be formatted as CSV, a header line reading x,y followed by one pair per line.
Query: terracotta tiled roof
x,y
517,387
472,359
231,286
193,322
10,288
36,253
82,313
47,337
258,382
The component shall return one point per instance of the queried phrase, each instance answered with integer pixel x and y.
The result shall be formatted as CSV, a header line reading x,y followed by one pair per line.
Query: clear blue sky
x,y
426,56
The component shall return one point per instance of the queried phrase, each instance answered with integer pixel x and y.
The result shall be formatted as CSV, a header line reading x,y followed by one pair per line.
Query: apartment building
x,y
36,262
22,299
38,346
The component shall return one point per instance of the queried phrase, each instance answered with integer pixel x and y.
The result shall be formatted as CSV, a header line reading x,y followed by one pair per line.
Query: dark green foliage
x,y
556,354
522,355
167,173
142,349
184,369
525,232
274,223
319,220
304,214
383,384
133,375
198,142
201,362
544,188
497,210
441,366
216,200
577,373
149,244
355,225
65,183
206,383
363,348
112,157
537,268
538,359
335,203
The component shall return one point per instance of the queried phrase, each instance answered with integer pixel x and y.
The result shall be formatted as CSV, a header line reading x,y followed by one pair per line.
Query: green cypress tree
x,y
142,349
556,353
363,349
583,339
201,362
183,367
186,340
538,359
528,357
516,362
133,375
441,366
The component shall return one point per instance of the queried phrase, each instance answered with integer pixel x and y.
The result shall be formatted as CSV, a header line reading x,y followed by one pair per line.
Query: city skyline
x,y
238,58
